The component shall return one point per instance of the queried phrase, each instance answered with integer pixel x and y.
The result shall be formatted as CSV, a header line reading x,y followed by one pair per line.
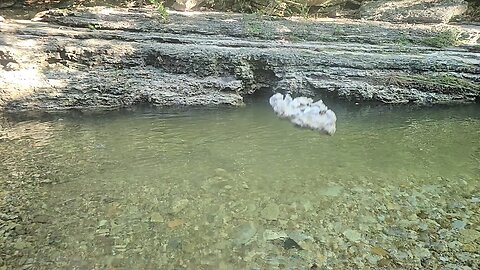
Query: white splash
x,y
303,112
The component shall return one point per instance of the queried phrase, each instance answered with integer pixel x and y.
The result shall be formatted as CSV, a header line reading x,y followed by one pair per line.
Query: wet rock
x,y
118,261
175,223
458,225
469,236
307,206
464,257
471,247
422,253
269,235
299,236
454,245
175,243
102,223
445,234
373,259
397,232
20,245
331,191
385,262
179,205
379,251
352,235
222,173
271,212
103,232
400,255
156,217
4,216
439,247
245,233
289,243
41,219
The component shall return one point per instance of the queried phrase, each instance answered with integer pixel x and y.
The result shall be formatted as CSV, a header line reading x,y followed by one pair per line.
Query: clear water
x,y
202,188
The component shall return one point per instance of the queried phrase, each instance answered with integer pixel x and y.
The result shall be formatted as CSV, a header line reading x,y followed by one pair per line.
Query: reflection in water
x,y
242,189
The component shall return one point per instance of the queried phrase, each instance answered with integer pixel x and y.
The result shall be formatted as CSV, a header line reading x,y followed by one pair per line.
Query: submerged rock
x,y
156,217
459,224
352,235
245,233
332,191
271,212
289,243
178,205
469,236
269,235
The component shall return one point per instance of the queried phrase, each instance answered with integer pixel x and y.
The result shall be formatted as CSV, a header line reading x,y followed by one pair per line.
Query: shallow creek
x,y
395,187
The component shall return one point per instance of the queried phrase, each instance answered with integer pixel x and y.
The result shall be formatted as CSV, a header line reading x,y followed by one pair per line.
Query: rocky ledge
x,y
110,58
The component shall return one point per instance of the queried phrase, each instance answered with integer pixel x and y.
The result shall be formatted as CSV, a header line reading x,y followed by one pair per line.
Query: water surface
x,y
232,188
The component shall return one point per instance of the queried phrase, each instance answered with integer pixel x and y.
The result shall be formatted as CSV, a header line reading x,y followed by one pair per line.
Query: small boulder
x,y
7,3
413,11
186,5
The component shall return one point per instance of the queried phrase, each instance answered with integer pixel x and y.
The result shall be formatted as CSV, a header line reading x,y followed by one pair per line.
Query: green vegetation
x,y
160,8
253,28
447,38
444,83
474,48
337,31
404,40
282,8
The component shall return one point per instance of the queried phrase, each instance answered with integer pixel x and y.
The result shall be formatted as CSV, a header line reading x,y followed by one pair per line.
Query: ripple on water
x,y
201,188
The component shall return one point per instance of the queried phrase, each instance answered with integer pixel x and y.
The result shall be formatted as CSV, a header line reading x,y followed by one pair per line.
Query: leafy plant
x,y
404,40
253,28
443,39
160,8
337,31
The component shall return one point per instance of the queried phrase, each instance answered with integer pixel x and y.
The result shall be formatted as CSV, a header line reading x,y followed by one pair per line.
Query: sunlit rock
x,y
303,112
186,5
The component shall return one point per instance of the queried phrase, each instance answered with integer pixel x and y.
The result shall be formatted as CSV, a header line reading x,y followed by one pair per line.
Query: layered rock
x,y
110,58
413,11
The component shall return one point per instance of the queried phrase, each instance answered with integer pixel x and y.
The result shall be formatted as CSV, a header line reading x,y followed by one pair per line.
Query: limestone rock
x,y
271,212
352,235
7,3
413,11
222,58
186,5
245,233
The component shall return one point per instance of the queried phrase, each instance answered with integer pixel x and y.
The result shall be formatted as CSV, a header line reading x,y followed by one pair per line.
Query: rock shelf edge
x,y
106,58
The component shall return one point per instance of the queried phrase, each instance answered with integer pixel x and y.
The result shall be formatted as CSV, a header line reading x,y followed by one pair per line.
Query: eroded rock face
x,y
413,11
7,3
111,58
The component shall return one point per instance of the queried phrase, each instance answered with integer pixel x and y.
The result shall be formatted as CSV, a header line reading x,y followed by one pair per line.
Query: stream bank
x,y
106,58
